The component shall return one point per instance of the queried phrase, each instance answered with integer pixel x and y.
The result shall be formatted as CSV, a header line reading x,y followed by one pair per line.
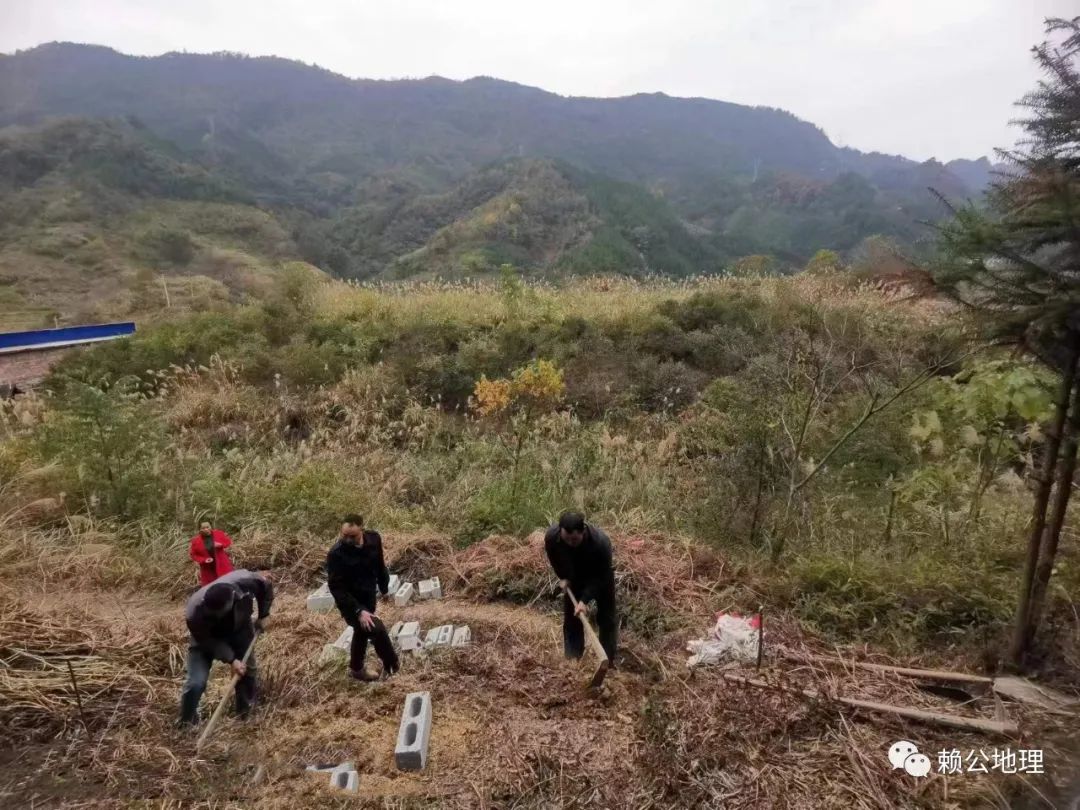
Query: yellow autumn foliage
x,y
538,385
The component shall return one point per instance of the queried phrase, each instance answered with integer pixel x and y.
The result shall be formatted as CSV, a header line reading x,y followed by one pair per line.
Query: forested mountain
x,y
438,176
95,215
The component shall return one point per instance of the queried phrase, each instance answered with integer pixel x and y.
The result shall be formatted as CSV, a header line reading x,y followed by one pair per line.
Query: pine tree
x,y
1016,264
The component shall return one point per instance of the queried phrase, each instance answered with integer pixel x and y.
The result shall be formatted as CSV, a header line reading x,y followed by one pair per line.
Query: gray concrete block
x,y
409,636
395,583
320,600
462,637
344,641
404,594
395,631
344,778
439,636
430,589
410,754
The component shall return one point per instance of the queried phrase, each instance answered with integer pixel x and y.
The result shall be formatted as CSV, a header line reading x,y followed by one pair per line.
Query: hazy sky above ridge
x,y
922,78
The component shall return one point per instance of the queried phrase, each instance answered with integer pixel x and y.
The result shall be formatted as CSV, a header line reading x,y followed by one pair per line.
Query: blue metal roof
x,y
66,336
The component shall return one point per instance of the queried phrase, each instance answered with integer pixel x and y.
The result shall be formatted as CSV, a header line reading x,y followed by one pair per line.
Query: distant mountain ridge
x,y
345,156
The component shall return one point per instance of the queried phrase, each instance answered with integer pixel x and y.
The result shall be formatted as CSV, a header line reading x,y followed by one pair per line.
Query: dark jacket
x,y
354,573
588,567
218,636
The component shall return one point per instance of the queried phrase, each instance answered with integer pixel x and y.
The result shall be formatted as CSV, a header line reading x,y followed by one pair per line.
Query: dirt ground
x,y
514,725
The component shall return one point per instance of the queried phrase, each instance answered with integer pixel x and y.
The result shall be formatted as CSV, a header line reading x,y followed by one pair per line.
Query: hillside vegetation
x,y
804,444
101,219
368,179
730,411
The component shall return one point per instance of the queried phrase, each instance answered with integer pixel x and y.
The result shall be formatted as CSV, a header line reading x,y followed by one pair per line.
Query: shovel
x,y
220,710
594,642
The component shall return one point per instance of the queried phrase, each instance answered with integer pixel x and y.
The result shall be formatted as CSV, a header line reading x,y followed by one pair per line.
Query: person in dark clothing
x,y
580,555
219,619
356,573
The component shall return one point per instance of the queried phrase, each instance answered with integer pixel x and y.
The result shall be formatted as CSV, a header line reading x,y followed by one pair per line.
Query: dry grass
x,y
482,302
513,725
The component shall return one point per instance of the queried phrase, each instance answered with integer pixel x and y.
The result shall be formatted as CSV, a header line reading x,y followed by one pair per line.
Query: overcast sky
x,y
923,78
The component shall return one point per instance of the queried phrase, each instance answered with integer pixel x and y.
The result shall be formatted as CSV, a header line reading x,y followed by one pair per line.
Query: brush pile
x,y
65,666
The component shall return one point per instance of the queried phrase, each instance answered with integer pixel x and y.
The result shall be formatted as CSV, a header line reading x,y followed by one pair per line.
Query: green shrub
x,y
169,245
881,602
311,497
508,508
704,310
109,442
192,341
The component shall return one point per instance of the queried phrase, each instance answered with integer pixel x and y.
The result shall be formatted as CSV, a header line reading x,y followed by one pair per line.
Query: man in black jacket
x,y
580,554
219,619
355,573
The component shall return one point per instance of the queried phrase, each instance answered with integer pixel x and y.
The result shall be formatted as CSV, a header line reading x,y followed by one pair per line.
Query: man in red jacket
x,y
208,552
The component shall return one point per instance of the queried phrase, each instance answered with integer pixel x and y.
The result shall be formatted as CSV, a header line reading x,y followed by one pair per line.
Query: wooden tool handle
x,y
224,698
590,634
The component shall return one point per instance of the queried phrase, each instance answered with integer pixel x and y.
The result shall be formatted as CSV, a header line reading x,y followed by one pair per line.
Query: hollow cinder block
x,y
439,636
345,778
404,594
320,600
430,589
462,637
410,754
395,583
409,636
395,631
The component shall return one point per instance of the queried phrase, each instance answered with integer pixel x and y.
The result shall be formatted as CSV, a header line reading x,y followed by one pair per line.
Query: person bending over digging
x,y
355,573
219,618
580,555
208,551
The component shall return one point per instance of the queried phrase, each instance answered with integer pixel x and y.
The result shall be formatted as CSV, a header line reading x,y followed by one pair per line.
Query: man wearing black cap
x,y
580,554
355,573
219,619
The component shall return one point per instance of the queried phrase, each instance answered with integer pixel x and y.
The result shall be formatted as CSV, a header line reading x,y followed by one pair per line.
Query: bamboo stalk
x,y
1004,728
932,674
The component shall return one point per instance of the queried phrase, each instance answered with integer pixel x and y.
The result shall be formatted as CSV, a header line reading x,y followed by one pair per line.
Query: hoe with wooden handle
x,y
216,716
594,642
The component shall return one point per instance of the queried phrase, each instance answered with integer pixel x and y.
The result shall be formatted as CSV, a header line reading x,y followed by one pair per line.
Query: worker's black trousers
x,y
198,673
606,619
380,640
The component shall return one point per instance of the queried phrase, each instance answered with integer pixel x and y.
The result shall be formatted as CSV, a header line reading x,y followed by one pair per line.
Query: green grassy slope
x,y
99,218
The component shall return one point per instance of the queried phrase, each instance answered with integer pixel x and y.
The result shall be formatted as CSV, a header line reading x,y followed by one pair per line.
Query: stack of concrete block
x,y
439,636
320,600
430,588
407,636
403,594
462,636
410,754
